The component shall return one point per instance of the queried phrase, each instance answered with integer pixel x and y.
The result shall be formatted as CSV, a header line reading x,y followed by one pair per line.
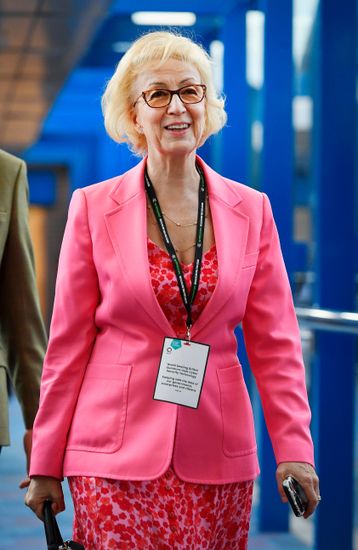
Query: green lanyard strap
x,y
188,298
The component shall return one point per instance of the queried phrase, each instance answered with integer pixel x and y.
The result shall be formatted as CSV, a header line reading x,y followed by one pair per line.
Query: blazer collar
x,y
132,183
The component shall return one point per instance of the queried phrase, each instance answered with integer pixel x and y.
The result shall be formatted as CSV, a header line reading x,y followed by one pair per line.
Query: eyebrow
x,y
165,84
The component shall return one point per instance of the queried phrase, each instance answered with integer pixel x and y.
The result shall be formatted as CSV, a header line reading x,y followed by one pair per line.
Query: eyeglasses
x,y
156,98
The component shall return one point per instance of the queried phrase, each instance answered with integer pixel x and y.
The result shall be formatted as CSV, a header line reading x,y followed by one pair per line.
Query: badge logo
x,y
176,344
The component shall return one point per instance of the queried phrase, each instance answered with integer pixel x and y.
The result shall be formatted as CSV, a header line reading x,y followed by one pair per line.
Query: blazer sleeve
x,y
21,317
273,343
72,336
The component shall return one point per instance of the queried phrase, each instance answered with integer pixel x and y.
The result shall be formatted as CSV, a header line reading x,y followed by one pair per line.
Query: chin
x,y
181,148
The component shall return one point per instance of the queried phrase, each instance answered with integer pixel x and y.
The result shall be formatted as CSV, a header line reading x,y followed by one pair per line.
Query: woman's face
x,y
159,125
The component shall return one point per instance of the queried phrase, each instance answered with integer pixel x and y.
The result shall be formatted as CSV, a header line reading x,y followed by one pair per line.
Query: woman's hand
x,y
44,488
306,476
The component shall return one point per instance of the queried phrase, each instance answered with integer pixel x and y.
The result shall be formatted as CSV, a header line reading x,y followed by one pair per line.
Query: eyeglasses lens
x,y
162,98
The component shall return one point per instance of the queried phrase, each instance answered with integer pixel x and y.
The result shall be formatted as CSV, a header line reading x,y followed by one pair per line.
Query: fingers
x,y
306,476
24,483
41,489
308,479
316,487
37,506
282,493
312,496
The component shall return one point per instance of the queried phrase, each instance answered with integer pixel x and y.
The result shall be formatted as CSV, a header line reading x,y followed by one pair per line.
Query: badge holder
x,y
181,372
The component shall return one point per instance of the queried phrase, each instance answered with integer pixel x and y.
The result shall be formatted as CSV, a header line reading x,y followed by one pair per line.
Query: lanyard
x,y
188,298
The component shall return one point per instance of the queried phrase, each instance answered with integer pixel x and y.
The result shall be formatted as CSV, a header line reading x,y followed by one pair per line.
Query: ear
x,y
137,123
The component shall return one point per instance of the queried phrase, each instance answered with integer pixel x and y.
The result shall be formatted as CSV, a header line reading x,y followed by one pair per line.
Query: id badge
x,y
181,372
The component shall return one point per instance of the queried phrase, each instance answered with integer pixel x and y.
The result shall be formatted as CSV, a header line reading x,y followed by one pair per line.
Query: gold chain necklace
x,y
184,249
179,224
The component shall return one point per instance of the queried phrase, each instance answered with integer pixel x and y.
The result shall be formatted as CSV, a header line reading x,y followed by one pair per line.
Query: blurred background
x,y
288,69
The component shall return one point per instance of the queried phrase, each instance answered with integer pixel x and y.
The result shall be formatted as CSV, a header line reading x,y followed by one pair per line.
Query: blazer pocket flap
x,y
250,260
108,371
228,375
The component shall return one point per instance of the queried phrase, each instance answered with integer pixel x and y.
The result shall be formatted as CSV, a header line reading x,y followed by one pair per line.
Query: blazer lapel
x,y
127,228
231,230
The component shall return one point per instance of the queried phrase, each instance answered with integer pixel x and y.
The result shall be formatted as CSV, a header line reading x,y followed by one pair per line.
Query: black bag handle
x,y
52,531
53,535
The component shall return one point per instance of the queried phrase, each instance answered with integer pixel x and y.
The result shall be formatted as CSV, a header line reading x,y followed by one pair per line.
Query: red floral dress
x,y
166,288
164,513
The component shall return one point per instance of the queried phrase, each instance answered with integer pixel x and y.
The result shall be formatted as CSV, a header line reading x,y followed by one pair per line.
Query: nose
x,y
176,105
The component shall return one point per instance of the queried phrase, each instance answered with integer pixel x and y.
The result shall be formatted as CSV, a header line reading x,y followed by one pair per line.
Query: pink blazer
x,y
97,416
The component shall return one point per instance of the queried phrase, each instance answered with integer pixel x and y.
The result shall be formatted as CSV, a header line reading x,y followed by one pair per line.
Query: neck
x,y
176,176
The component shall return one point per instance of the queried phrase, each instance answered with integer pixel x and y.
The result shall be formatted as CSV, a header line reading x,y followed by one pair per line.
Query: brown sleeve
x,y
21,318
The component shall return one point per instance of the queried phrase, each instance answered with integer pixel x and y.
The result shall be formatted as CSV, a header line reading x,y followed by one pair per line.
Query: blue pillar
x,y
235,135
277,176
277,156
334,126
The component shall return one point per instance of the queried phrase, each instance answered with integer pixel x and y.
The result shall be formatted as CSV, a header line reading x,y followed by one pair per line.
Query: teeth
x,y
177,126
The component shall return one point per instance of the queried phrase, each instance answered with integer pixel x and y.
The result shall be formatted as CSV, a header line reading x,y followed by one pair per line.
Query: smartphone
x,y
296,495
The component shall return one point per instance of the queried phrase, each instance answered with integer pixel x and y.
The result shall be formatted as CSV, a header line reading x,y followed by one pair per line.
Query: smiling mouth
x,y
176,127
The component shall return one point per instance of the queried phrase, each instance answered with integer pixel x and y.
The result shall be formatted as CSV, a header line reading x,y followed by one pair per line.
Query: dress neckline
x,y
182,263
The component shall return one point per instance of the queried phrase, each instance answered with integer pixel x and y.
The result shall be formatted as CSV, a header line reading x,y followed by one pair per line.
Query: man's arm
x,y
20,309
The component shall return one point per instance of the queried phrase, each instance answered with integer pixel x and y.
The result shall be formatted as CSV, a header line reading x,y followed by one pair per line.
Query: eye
x,y
156,94
191,91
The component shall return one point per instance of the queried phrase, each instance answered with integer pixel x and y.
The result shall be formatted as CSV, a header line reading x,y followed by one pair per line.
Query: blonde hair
x,y
155,47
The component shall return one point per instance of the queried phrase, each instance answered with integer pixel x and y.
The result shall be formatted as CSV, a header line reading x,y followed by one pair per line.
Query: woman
x,y
166,458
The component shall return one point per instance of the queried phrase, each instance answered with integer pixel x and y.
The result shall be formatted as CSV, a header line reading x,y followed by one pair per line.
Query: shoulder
x,y
119,187
253,203
106,196
93,200
245,192
102,187
6,159
234,193
96,193
227,189
9,167
243,199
